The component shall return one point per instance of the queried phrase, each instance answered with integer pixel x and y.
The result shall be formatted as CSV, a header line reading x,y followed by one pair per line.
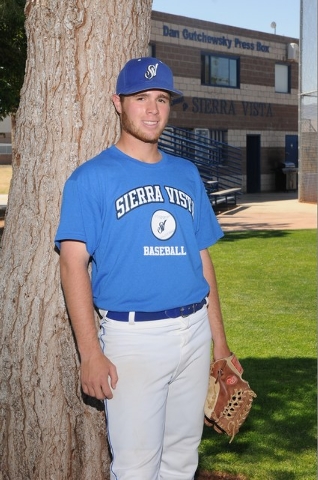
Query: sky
x,y
251,14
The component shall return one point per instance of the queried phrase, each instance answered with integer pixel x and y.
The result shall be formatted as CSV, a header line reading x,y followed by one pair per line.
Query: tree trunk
x,y
75,51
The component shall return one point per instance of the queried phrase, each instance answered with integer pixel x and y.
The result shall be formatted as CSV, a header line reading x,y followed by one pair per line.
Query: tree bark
x,y
75,51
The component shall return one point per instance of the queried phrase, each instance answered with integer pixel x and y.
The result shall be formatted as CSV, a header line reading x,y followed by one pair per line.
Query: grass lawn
x,y
5,178
267,284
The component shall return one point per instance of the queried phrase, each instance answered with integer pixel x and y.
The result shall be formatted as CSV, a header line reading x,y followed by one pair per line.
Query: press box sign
x,y
221,41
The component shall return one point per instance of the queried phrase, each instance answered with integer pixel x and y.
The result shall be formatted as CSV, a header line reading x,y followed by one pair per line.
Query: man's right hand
x,y
98,376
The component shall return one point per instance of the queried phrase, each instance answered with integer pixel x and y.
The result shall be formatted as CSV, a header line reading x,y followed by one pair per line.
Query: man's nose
x,y
152,106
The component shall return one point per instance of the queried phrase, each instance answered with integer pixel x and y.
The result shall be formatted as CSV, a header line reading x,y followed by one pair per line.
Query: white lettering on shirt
x,y
163,251
180,198
136,197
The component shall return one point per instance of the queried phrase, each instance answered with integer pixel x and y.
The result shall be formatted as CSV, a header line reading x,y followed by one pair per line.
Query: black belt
x,y
163,314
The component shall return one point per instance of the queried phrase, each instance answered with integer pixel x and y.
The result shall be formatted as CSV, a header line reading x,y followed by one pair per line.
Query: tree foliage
x,y
13,49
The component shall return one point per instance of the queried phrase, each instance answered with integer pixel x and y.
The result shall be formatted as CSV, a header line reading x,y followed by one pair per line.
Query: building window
x,y
282,78
5,149
151,50
220,71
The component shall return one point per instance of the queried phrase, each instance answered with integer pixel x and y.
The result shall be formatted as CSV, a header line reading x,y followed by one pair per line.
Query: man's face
x,y
144,115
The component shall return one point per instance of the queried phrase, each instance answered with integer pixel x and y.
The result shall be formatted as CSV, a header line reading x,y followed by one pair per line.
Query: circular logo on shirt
x,y
163,225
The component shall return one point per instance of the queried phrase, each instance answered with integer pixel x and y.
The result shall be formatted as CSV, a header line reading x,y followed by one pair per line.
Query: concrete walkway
x,y
269,211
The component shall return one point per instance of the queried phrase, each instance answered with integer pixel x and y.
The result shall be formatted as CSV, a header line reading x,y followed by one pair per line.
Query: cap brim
x,y
132,91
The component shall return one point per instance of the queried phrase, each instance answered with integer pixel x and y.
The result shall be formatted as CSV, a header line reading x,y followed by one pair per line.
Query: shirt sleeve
x,y
80,214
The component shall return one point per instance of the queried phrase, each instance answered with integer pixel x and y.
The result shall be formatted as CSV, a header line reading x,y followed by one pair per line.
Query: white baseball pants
x,y
155,419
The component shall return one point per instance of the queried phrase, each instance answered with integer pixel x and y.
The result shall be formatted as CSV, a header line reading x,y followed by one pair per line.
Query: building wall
x,y
253,108
5,142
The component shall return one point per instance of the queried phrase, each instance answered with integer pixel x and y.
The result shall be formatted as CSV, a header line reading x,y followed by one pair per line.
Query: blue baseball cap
x,y
145,73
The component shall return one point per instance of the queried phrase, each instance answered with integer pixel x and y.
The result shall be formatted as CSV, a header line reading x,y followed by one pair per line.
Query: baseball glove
x,y
229,397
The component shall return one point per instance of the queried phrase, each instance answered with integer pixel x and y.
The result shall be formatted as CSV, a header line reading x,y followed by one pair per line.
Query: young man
x,y
144,221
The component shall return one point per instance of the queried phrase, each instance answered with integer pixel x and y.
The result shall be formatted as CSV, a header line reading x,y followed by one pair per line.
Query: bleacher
x,y
219,164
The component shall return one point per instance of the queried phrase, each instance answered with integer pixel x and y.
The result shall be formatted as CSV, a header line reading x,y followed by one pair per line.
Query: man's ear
x,y
117,102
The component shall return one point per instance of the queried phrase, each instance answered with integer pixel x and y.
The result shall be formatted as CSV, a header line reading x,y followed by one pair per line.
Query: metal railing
x,y
219,164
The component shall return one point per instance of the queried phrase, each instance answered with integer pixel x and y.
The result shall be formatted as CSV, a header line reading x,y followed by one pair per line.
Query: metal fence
x,y
308,112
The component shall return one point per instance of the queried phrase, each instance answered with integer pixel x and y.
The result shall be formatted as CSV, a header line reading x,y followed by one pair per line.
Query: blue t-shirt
x,y
144,226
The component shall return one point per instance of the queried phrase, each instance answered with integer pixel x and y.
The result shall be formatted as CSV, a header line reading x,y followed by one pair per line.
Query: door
x,y
253,163
291,149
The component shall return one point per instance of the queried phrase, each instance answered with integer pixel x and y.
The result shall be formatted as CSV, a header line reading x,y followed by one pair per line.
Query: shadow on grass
x,y
245,235
282,423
